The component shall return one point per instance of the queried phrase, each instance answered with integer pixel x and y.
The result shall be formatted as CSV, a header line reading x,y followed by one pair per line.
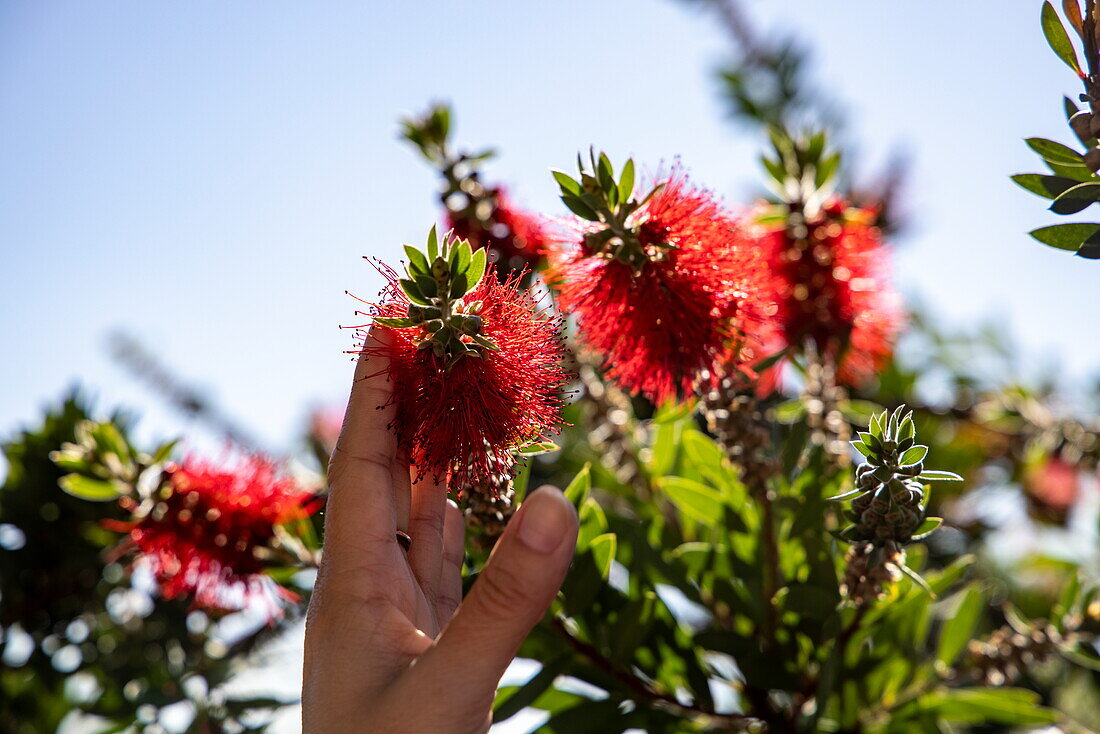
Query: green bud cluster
x,y
599,197
438,282
890,496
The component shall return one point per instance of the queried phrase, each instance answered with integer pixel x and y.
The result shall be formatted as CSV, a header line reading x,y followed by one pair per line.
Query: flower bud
x,y
1082,125
1092,160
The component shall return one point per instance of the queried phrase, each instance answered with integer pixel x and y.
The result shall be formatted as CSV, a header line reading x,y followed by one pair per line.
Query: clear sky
x,y
207,175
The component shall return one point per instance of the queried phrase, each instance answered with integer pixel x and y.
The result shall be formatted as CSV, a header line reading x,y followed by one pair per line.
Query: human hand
x,y
388,646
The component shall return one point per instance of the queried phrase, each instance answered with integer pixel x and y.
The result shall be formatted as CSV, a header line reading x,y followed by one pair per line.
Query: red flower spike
x,y
517,236
462,418
674,313
833,290
207,531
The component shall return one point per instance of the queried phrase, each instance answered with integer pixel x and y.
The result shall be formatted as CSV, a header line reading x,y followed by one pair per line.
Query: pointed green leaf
x,y
412,292
578,489
1047,187
1076,198
88,488
579,208
694,499
845,495
913,455
538,447
602,549
1056,152
927,527
395,322
862,448
959,627
930,475
626,180
459,259
605,173
1066,236
476,271
433,244
418,264
1057,37
568,184
460,285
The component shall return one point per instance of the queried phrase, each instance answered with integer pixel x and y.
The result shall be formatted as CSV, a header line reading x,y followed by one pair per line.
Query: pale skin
x,y
390,644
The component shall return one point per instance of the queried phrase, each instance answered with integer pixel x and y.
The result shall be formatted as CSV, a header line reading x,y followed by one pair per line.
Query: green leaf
x,y
460,285
568,184
790,411
862,448
694,499
1076,198
959,627
605,173
538,447
578,489
914,455
579,208
88,488
626,180
427,286
1057,37
1016,706
826,169
845,495
395,322
1056,152
418,264
602,549
932,475
927,527
476,271
412,292
433,244
1042,185
1066,236
459,259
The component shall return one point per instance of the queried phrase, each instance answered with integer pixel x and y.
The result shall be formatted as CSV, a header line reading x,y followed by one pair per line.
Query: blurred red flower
x,y
518,237
465,422
205,532
660,326
831,279
1055,484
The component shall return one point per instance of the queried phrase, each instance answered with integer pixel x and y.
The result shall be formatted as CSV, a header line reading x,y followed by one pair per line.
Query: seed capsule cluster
x,y
489,505
737,422
888,502
1008,653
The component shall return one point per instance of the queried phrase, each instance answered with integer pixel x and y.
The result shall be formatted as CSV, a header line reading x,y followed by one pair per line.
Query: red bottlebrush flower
x,y
1055,484
831,278
660,322
205,534
517,237
462,416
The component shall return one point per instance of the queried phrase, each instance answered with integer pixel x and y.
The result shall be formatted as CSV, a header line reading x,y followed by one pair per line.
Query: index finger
x,y
361,470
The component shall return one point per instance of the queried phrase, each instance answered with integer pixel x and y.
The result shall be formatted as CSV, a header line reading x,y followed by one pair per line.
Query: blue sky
x,y
207,175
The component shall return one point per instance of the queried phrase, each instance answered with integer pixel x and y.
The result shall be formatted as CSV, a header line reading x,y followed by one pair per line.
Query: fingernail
x,y
545,519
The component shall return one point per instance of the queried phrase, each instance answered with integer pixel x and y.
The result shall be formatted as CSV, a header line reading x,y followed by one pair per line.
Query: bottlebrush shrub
x,y
662,285
476,364
208,532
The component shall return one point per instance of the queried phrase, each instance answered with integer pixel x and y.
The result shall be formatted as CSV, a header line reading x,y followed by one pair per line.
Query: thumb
x,y
511,594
